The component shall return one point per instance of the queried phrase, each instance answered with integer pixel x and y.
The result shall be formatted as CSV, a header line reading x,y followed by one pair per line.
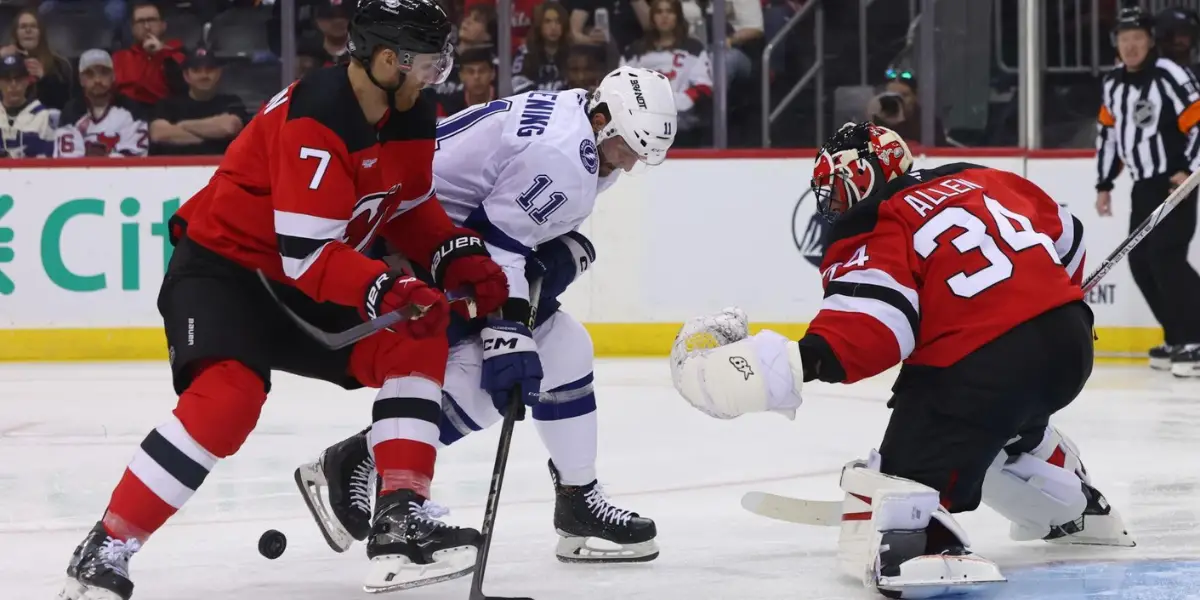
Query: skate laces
x,y
431,512
598,503
116,554
360,485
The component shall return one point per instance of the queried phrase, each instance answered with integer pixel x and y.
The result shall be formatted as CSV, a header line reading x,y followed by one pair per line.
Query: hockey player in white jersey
x,y
524,172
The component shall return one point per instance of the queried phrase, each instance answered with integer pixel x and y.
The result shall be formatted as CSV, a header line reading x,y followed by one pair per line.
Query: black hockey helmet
x,y
1132,17
414,29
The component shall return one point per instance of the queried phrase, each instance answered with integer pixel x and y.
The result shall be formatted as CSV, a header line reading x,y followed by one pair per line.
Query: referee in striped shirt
x,y
1148,125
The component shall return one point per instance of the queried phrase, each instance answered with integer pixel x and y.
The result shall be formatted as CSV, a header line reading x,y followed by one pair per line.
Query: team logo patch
x,y
587,154
1143,114
742,365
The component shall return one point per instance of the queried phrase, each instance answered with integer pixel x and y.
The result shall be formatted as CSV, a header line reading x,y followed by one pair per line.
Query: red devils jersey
x,y
942,262
309,184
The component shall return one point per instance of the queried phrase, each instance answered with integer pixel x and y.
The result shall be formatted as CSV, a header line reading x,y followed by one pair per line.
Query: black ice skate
x,y
1185,361
1160,357
346,472
1099,525
582,512
409,547
99,569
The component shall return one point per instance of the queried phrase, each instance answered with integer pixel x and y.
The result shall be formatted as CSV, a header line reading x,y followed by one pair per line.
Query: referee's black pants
x,y
1159,264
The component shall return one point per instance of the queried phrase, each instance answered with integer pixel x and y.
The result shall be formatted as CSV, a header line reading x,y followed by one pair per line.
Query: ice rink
x,y
66,432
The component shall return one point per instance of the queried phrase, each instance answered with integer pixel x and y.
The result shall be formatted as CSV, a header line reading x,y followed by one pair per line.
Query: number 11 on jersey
x,y
540,214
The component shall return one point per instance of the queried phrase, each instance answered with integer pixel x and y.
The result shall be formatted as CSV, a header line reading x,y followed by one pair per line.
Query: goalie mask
x,y
855,163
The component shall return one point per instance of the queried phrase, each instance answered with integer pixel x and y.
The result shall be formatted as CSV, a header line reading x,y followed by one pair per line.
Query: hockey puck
x,y
272,544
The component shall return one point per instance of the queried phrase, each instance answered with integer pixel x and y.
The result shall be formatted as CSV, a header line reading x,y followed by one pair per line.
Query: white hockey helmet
x,y
641,104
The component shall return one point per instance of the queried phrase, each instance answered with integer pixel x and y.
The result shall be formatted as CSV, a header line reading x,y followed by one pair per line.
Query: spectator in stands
x,y
477,71
668,49
744,23
585,67
1177,30
332,18
478,28
148,71
522,18
898,109
114,10
201,121
51,73
28,130
309,57
541,63
607,22
103,122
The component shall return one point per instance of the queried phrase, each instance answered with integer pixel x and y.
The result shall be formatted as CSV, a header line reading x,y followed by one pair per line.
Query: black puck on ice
x,y
272,544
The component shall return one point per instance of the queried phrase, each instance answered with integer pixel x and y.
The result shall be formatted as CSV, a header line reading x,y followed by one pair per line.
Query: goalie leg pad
x,y
754,374
1047,494
889,540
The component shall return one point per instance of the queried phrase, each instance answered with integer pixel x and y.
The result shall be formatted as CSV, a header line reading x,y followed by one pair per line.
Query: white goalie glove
x,y
723,371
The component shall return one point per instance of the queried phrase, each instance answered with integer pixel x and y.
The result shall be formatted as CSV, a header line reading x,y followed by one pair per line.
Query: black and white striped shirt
x,y
1147,122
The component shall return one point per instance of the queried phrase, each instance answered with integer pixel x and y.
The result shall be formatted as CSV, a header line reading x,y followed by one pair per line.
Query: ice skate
x,y
583,513
99,569
1099,525
409,547
1160,357
343,510
1185,361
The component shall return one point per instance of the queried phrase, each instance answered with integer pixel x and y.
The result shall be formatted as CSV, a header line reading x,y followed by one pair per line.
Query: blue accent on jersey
x,y
479,222
463,121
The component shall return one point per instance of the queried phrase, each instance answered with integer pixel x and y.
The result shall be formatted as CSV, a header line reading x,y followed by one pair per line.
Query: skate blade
x,y
73,589
310,480
572,549
395,572
1100,530
1185,370
1160,364
936,575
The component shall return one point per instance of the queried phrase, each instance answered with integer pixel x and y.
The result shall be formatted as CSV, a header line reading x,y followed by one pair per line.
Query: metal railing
x,y
1062,47
863,55
815,8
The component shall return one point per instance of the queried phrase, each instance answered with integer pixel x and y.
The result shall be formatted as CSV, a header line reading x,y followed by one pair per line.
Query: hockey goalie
x,y
970,277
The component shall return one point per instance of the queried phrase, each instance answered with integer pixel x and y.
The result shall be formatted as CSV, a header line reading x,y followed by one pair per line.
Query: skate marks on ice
x,y
668,462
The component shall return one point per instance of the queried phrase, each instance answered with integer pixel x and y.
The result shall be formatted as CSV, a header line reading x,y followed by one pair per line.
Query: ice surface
x,y
66,432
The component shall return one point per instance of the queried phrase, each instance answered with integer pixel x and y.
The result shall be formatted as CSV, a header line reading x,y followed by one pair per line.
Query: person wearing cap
x,y
103,122
148,70
28,128
332,18
200,121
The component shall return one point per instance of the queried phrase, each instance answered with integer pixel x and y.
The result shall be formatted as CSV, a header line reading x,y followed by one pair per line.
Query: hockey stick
x,y
341,339
515,409
828,512
1142,230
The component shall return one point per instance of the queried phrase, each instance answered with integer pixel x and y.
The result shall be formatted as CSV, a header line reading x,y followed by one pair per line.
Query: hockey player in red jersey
x,y
332,163
969,277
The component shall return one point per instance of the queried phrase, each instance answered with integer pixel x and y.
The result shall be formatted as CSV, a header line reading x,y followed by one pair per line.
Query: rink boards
x,y
83,247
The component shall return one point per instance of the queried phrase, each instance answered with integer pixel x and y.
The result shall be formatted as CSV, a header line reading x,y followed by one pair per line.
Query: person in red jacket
x,y
148,71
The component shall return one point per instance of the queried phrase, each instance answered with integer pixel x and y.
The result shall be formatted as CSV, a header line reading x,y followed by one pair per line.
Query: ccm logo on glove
x,y
499,343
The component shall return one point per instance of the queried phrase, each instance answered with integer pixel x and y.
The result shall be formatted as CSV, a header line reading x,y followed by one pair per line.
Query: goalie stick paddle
x,y
341,339
515,409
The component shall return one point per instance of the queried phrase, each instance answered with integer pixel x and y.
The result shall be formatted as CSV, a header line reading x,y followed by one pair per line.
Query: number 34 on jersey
x,y
945,261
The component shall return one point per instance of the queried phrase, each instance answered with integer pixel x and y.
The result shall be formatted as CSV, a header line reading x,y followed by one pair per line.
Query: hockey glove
x,y
462,263
510,360
559,262
393,291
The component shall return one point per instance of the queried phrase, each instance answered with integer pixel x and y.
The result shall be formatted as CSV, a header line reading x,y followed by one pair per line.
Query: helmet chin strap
x,y
390,91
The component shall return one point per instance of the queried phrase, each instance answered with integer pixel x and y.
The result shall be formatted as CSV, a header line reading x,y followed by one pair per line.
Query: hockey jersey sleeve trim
x,y
1069,244
874,293
301,238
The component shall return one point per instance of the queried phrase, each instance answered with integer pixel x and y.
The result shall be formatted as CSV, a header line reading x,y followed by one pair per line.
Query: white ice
x,y
66,432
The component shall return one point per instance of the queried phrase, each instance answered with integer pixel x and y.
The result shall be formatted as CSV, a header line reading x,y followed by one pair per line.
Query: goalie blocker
x,y
990,353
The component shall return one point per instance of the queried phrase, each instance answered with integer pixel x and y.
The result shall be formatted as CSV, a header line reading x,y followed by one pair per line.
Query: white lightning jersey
x,y
520,171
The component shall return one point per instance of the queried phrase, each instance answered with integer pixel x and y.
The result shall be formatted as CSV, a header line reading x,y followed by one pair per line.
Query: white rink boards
x,y
67,430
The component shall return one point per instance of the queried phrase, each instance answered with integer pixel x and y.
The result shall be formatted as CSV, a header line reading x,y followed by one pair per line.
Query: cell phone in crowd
x,y
601,20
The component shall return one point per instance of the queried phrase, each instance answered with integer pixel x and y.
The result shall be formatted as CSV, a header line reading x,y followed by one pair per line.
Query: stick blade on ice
x,y
826,513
